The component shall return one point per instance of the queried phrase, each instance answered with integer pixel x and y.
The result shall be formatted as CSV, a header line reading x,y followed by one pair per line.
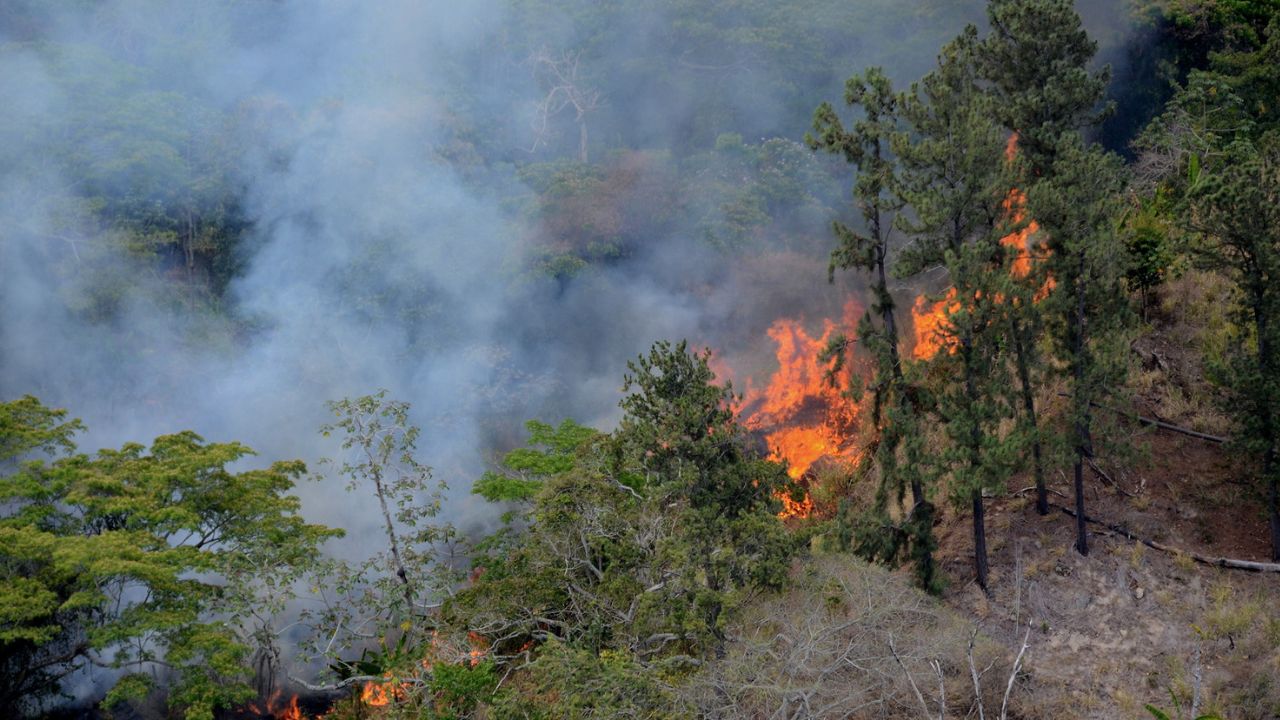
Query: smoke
x,y
373,157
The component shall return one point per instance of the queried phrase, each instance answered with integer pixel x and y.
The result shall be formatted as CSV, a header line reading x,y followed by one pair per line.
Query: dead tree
x,y
565,89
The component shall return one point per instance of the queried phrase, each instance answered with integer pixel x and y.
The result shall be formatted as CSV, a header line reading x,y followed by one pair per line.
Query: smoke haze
x,y
376,155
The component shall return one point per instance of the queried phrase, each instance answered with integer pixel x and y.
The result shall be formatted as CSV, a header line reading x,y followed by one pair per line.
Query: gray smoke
x,y
374,151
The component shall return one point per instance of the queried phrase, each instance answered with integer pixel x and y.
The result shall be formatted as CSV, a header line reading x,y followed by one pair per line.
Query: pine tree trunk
x,y
922,510
980,540
1082,535
1269,468
974,442
1029,406
1082,411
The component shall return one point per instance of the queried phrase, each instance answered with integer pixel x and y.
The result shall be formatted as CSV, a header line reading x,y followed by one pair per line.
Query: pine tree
x,y
1035,60
1078,205
953,180
895,401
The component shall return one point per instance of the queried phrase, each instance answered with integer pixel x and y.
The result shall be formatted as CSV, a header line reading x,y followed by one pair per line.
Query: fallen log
x,y
1156,423
1222,562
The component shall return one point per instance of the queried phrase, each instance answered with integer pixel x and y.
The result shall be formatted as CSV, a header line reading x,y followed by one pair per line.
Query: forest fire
x,y
929,319
277,708
800,415
381,693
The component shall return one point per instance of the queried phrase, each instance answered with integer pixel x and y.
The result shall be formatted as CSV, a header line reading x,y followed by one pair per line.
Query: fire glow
x,y
800,415
277,709
384,692
929,319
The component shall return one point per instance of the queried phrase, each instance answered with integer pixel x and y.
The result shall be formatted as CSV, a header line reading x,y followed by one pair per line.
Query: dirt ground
x,y
1123,627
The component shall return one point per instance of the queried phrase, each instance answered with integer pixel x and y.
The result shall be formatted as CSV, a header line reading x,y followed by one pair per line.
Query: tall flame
x,y
801,416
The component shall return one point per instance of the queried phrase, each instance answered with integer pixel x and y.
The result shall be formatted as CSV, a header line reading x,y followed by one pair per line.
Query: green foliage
x,y
681,435
1151,256
1079,209
138,556
1235,212
388,591
569,682
1037,59
896,451
457,689
551,451
634,549
952,178
26,425
1087,314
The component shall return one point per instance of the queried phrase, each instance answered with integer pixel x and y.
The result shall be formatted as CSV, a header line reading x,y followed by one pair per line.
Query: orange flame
x,y
380,693
377,694
274,708
802,417
929,319
1015,208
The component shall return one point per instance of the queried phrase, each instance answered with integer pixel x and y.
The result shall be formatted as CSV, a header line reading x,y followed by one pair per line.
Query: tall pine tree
x,y
1079,205
896,453
953,179
1036,60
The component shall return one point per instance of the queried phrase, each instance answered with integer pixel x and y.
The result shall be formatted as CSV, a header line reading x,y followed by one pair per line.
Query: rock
x,y
1139,593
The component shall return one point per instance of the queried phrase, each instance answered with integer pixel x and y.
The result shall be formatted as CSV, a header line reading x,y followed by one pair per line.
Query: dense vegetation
x,y
642,571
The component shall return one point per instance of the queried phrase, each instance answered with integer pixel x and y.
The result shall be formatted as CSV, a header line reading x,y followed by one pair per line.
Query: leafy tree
x,y
387,595
952,177
680,431
156,561
551,451
633,548
1150,253
896,403
679,437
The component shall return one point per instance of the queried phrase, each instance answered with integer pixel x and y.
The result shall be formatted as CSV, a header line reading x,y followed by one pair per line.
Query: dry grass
x,y
826,648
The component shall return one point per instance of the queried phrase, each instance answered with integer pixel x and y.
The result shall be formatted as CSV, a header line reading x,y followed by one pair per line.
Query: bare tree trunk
x,y
1269,472
975,462
582,139
980,540
392,539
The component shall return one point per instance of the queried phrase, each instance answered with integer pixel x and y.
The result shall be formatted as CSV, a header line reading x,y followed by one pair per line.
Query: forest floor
x,y
1130,625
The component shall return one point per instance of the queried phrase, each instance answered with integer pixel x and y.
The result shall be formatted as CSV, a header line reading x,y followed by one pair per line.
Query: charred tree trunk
x,y
1273,496
975,465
